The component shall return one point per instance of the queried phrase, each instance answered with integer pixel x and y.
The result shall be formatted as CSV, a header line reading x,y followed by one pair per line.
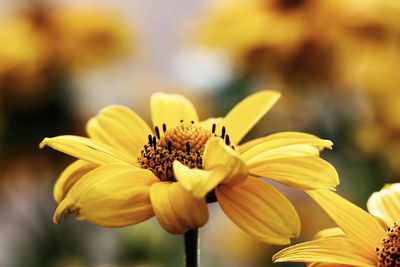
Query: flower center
x,y
389,254
184,143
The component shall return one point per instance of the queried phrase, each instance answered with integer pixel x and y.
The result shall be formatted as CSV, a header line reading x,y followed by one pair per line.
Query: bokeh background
x,y
336,63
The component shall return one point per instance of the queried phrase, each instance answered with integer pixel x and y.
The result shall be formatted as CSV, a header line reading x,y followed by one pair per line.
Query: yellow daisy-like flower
x,y
361,239
127,173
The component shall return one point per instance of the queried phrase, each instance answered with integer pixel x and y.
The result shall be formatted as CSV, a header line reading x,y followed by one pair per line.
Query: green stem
x,y
191,248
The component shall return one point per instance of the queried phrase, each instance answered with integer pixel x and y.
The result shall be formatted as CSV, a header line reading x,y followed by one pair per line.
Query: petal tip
x,y
44,142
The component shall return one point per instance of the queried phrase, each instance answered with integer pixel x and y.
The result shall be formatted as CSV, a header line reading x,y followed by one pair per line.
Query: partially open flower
x,y
127,173
360,239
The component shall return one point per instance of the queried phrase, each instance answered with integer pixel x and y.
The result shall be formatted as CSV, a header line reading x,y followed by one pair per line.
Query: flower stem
x,y
191,247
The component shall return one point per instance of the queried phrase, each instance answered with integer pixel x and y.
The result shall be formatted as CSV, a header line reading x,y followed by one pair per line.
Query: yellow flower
x,y
361,239
89,36
127,173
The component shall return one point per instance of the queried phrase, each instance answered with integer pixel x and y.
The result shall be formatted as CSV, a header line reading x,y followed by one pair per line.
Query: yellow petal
x,y
198,182
260,210
86,149
258,153
275,145
358,224
176,209
297,172
218,155
385,204
208,124
171,109
284,136
239,121
69,177
330,232
113,195
328,265
329,250
121,128
221,165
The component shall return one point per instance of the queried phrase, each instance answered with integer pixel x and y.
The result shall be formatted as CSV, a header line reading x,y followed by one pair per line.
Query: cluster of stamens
x,y
389,254
184,143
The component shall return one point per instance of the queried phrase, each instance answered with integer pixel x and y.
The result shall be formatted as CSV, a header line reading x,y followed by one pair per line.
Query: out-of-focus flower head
x,y
90,36
274,35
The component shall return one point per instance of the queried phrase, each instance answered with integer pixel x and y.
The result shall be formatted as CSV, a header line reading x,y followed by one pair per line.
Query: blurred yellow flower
x,y
127,173
361,239
90,36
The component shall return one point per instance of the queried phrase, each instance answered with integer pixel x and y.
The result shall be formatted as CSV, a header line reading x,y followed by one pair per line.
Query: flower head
x,y
360,240
127,173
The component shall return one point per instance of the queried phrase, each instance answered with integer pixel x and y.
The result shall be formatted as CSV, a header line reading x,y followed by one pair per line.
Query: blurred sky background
x,y
336,63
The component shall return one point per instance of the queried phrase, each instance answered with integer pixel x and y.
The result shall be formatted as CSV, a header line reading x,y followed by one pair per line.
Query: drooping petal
x,y
358,224
171,109
328,250
217,154
282,135
221,165
176,209
330,232
239,121
121,128
69,177
298,172
385,204
272,145
112,195
198,181
86,149
260,210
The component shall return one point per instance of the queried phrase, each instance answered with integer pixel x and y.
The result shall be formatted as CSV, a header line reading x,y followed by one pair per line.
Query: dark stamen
x,y
223,132
213,128
164,127
154,143
192,122
181,120
150,140
169,147
187,148
157,132
227,141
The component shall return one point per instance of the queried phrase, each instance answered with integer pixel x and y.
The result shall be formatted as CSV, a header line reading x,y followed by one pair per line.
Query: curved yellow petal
x,y
260,210
330,232
218,155
221,165
297,172
385,204
112,195
239,121
121,128
284,136
258,153
176,209
358,224
171,109
198,182
276,145
69,177
86,149
328,250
